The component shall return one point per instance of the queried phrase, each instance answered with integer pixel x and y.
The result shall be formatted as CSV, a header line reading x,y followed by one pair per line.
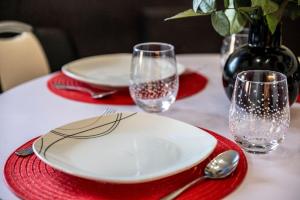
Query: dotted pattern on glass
x,y
156,89
259,113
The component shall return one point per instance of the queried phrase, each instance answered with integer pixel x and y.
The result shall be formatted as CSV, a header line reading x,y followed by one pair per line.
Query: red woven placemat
x,y
190,83
30,178
298,99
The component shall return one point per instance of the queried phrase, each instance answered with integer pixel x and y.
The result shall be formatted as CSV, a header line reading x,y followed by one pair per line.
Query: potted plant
x,y
264,49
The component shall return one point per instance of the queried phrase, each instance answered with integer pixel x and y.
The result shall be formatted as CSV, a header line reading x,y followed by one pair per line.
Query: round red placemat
x,y
190,83
30,178
298,99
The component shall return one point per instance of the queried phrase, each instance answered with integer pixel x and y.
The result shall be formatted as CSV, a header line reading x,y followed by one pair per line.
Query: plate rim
x,y
164,173
66,70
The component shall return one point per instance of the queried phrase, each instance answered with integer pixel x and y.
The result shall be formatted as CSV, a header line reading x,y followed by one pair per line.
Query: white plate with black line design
x,y
124,147
105,71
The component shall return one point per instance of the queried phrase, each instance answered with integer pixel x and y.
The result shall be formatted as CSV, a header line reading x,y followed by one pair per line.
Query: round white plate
x,y
104,71
124,147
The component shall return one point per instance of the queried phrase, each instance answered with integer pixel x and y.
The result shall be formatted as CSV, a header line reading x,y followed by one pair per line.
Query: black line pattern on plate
x,y
114,125
106,112
92,123
87,136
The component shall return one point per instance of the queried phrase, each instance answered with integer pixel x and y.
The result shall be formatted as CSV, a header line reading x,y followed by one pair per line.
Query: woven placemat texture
x,y
190,83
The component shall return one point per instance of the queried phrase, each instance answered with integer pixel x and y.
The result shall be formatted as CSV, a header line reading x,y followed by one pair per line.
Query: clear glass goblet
x,y
259,114
153,76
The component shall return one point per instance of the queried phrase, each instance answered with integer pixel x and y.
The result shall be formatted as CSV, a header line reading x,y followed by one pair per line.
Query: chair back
x,y
21,56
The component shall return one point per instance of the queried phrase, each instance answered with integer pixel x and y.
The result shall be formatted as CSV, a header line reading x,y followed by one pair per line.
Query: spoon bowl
x,y
222,165
219,167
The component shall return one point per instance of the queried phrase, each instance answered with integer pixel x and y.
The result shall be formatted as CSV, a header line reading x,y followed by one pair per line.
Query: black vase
x,y
263,52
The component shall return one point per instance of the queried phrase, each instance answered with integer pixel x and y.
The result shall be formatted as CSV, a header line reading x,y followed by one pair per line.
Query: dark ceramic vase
x,y
263,52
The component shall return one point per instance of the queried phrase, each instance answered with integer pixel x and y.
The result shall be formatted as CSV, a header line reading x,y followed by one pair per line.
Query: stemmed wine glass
x,y
153,77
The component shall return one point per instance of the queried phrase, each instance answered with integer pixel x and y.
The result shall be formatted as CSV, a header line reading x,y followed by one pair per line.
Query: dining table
x,y
31,109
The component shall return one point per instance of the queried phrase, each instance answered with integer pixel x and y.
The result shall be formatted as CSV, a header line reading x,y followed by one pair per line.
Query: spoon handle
x,y
177,192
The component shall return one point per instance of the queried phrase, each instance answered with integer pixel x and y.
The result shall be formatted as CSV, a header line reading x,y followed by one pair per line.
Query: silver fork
x,y
28,150
94,95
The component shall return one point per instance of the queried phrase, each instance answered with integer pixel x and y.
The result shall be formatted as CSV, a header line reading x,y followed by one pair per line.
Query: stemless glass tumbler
x,y
153,77
259,114
231,43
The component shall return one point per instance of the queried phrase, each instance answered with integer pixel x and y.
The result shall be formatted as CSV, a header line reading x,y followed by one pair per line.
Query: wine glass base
x,y
257,145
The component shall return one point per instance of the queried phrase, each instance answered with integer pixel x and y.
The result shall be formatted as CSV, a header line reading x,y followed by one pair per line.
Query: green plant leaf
x,y
267,6
206,6
187,13
220,23
247,9
236,19
226,3
272,20
292,10
248,12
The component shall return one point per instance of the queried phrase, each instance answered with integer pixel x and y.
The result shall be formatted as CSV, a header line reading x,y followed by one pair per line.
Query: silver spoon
x,y
94,95
220,167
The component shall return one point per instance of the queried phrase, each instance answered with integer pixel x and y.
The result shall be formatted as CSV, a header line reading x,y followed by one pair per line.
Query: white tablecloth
x,y
31,109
